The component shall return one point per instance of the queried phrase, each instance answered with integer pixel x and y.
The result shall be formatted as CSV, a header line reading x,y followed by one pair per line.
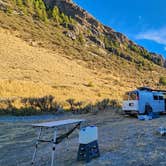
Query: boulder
x,y
70,35
72,27
97,41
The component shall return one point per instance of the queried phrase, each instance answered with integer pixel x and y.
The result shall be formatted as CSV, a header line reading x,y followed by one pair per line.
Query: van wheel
x,y
148,109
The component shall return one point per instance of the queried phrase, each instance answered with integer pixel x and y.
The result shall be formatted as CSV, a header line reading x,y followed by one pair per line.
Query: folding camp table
x,y
56,139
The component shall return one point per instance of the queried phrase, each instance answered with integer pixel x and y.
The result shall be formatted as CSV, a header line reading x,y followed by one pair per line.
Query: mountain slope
x,y
104,36
74,57
38,71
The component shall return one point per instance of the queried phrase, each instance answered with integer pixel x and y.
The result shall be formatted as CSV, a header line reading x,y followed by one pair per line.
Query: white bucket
x,y
88,134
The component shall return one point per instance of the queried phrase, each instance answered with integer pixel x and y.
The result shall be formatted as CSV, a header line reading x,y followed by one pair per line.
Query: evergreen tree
x,y
61,18
81,38
65,19
29,4
42,5
36,4
55,12
72,21
56,15
41,10
44,16
20,3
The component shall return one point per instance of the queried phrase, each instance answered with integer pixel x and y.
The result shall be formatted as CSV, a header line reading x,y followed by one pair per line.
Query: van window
x,y
133,96
164,95
161,98
126,96
155,97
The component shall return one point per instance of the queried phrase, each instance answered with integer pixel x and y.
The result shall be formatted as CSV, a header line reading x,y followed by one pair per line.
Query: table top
x,y
58,123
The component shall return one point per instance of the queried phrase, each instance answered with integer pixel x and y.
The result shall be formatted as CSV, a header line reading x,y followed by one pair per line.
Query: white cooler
x,y
88,135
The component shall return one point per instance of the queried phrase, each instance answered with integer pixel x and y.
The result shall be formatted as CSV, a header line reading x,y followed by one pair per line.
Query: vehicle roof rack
x,y
145,88
164,91
149,89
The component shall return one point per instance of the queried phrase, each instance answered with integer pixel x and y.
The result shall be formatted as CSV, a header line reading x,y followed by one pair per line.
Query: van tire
x,y
148,109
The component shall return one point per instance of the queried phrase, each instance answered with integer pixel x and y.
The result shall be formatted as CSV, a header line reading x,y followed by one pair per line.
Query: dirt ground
x,y
123,141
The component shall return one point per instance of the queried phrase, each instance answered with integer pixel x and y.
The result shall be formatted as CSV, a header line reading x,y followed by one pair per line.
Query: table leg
x,y
36,146
67,140
53,148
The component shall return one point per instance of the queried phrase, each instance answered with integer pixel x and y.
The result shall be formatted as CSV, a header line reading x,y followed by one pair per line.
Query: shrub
x,y
30,106
90,84
102,105
21,6
107,42
57,108
79,104
115,104
61,18
24,112
162,81
88,108
72,21
43,104
71,103
159,61
9,10
2,111
134,48
81,38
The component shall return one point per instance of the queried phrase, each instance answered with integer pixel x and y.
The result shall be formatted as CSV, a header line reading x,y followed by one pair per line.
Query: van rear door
x,y
130,102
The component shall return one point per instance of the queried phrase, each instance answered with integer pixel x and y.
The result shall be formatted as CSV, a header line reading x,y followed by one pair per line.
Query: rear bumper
x,y
131,112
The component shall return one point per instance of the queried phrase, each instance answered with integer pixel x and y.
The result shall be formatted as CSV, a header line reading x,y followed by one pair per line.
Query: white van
x,y
139,101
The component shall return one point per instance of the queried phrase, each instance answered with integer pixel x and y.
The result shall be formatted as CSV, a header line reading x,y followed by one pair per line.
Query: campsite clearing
x,y
122,140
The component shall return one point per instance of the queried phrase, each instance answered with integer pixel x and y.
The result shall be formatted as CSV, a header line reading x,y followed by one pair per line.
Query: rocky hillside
x,y
55,47
103,36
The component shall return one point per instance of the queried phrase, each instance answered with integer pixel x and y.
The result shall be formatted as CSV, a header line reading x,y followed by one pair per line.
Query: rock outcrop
x,y
88,22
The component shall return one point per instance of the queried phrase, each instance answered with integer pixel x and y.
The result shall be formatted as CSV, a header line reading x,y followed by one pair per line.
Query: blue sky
x,y
143,21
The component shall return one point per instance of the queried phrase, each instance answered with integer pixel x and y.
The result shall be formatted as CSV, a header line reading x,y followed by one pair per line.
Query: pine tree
x,y
39,13
41,10
20,3
56,15
29,4
42,5
81,38
72,21
55,12
15,2
65,19
36,4
44,16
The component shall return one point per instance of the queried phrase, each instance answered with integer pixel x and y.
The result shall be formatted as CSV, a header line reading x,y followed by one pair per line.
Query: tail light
x,y
137,98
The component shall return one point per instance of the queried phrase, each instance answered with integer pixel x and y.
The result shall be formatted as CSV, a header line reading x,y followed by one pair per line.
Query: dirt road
x,y
123,141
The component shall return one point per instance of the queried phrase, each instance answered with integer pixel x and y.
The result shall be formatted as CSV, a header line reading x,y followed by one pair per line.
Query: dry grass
x,y
28,71
36,59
